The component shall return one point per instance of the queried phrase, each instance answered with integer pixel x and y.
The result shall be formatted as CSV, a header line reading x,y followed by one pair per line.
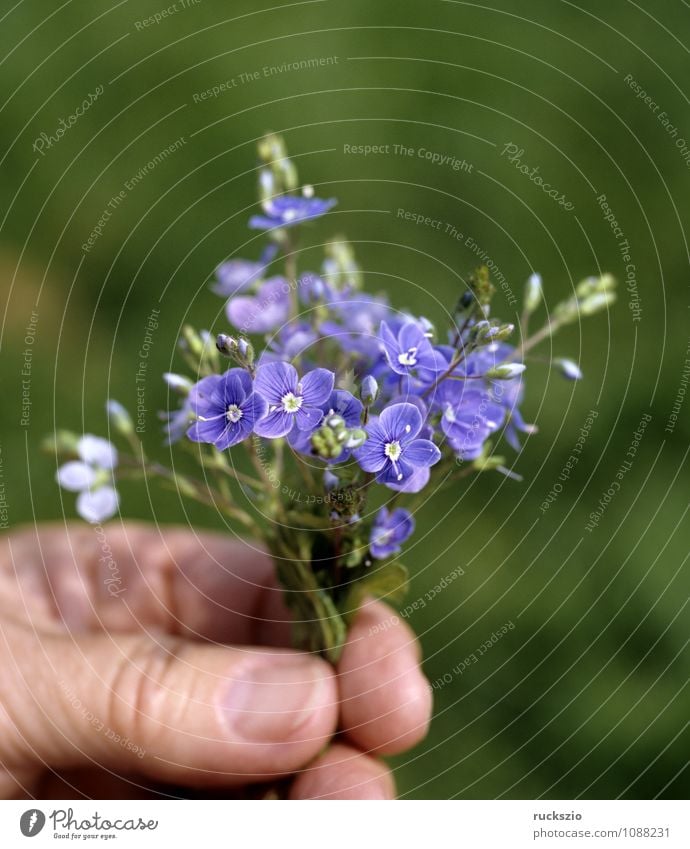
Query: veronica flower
x,y
291,400
389,531
469,415
92,476
237,275
263,312
393,450
411,351
287,210
227,409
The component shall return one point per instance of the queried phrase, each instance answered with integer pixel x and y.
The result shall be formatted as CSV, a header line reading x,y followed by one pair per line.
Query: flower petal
x,y
371,456
275,424
421,452
317,385
309,418
97,451
416,482
401,421
274,380
75,476
98,505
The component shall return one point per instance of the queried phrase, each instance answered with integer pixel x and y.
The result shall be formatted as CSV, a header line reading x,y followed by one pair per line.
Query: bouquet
x,y
321,413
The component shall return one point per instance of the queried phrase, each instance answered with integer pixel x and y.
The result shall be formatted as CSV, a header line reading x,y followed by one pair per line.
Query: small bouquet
x,y
322,415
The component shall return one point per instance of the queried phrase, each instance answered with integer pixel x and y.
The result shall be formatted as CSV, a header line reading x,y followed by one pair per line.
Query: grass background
x,y
587,695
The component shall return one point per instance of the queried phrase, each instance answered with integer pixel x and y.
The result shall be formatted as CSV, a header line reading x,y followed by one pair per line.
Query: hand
x,y
138,661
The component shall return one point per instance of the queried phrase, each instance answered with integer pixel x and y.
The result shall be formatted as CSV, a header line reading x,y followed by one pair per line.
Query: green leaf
x,y
388,582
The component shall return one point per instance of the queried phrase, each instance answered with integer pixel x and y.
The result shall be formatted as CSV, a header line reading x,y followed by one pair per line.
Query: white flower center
x,y
409,357
392,450
233,413
291,402
449,414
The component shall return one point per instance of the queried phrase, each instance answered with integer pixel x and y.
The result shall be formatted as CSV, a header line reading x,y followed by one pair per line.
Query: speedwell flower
x,y
227,411
393,450
410,351
291,400
287,210
263,312
389,531
91,476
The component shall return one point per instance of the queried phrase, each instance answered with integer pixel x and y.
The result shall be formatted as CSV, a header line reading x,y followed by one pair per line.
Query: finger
x,y
344,773
385,698
171,709
122,577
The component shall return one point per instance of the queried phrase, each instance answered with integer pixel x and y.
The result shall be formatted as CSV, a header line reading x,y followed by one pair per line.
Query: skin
x,y
154,661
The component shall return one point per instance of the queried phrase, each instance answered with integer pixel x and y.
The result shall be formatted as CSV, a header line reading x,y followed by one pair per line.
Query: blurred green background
x,y
587,694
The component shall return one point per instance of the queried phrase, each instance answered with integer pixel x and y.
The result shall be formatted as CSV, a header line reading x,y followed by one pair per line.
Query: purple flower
x,y
411,351
227,409
389,531
287,210
291,400
237,275
263,312
393,450
468,416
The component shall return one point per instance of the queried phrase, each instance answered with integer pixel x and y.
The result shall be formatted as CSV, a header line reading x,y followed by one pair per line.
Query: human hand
x,y
137,660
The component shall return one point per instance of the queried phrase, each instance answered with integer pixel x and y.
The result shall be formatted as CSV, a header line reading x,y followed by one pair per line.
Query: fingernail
x,y
271,698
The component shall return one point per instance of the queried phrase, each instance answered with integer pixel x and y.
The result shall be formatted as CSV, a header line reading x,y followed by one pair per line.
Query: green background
x,y
587,695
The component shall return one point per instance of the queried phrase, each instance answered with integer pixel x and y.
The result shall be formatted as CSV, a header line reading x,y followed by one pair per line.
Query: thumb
x,y
166,707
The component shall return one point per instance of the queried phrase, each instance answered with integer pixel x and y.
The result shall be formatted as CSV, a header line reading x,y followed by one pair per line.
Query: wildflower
x,y
91,476
263,312
287,210
469,415
227,409
291,400
411,351
393,450
389,531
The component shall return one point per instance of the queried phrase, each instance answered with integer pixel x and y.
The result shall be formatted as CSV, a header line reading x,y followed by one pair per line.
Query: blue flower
x,y
389,531
468,416
237,275
263,312
92,477
291,400
227,409
288,210
410,351
393,450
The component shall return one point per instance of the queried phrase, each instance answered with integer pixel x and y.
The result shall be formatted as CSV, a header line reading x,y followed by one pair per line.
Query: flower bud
x,y
227,345
330,481
598,301
356,437
61,442
245,350
506,372
533,293
568,369
178,383
369,390
192,340
119,418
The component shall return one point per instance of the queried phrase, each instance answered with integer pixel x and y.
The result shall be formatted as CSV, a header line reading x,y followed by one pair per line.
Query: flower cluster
x,y
349,400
